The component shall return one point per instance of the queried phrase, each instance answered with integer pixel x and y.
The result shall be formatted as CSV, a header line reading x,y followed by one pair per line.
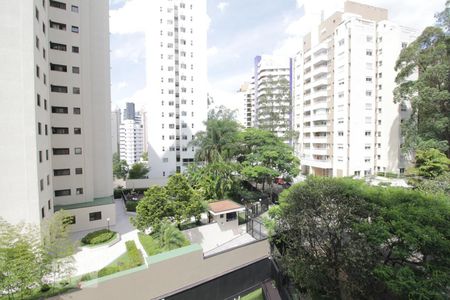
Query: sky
x,y
238,31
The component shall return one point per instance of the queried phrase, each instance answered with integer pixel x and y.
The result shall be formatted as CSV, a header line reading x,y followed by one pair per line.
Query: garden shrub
x,y
118,193
98,237
131,205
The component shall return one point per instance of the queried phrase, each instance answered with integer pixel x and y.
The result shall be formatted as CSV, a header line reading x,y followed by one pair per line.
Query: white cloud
x,y
122,85
222,6
140,99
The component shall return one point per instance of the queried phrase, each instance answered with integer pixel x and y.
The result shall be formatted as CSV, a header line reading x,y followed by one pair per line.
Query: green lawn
x,y
150,245
255,295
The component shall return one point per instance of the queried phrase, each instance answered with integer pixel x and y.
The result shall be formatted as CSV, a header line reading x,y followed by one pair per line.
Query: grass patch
x,y
255,295
37,293
168,238
98,237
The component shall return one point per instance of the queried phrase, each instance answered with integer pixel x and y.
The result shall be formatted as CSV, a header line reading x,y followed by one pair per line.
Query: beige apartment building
x,y
55,128
344,79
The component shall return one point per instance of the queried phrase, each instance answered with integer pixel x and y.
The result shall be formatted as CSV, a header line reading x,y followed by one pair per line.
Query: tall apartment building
x,y
176,74
54,78
131,141
129,113
116,120
272,93
343,90
247,94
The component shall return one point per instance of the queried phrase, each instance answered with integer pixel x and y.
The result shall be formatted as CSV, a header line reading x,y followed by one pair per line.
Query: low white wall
x,y
144,183
82,217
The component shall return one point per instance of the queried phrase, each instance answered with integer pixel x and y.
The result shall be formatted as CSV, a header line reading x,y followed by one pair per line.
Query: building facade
x,y
272,94
343,93
247,94
116,120
131,141
176,74
54,75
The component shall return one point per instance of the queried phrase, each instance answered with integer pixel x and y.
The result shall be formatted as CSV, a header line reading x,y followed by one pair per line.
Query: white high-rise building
x,y
116,118
343,89
272,93
131,141
54,79
247,94
176,82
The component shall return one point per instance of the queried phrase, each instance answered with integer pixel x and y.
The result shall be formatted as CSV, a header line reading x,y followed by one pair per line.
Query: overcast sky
x,y
238,31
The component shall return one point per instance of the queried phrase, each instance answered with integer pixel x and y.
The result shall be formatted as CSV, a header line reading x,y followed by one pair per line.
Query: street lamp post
x,y
107,220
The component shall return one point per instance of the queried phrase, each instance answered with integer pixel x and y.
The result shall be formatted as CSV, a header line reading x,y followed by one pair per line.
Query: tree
x,y
218,142
342,239
120,167
144,156
431,163
57,247
264,157
171,237
429,94
152,209
138,171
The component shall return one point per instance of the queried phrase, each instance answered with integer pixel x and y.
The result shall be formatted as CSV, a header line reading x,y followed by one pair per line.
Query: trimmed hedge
x,y
131,259
98,237
131,205
118,193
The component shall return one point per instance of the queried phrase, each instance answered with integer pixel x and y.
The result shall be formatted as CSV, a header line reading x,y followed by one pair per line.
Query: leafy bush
x,y
387,174
131,205
98,237
45,287
118,193
150,244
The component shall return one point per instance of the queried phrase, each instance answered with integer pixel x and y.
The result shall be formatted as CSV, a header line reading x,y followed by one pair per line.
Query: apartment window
x,y
61,172
46,129
60,110
39,128
378,157
379,122
41,184
57,4
75,49
380,63
369,79
367,133
37,13
38,71
42,212
59,47
59,89
77,130
74,9
45,104
369,38
60,130
403,107
165,160
46,154
78,171
404,45
61,193
40,156
76,70
75,29
58,68
340,121
379,110
58,26
48,179
79,191
45,79
368,106
369,52
368,93
76,90
379,133
340,133
61,151
76,110
341,42
43,28
38,99
37,42
78,151
94,216
49,204
164,173
367,160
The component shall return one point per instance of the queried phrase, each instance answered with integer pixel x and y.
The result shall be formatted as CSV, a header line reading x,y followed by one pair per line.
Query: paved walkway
x,y
93,259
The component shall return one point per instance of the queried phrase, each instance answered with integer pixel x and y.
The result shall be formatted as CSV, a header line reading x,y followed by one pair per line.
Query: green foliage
x,y
429,94
150,244
144,156
255,295
98,237
431,163
176,201
131,205
439,185
120,167
118,193
218,142
138,171
131,259
343,239
171,237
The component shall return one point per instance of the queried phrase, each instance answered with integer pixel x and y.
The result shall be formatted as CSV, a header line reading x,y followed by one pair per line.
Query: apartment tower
x,y
247,94
54,78
343,88
176,74
272,94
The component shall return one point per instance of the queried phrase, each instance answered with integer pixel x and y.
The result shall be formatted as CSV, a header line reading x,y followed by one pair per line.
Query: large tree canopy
x,y
342,239
428,92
